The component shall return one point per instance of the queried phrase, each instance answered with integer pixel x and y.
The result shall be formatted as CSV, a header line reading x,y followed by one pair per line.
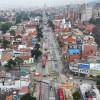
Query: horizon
x,y
40,3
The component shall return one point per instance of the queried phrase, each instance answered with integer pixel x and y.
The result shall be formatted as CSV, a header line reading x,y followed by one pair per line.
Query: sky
x,y
39,3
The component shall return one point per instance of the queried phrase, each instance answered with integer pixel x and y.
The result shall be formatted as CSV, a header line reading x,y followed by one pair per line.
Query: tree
x,y
5,43
98,84
18,19
96,34
98,76
5,26
76,95
10,64
91,76
27,97
36,52
20,16
7,66
50,23
39,32
12,32
18,61
33,14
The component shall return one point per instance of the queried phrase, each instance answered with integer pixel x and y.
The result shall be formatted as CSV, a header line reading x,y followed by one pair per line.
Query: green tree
x,y
91,76
76,95
22,16
39,33
96,34
32,14
27,97
4,43
50,23
12,32
5,26
10,64
18,19
18,61
98,84
36,52
7,66
98,76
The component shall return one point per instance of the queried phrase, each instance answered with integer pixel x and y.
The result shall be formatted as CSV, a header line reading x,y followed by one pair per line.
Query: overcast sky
x,y
38,3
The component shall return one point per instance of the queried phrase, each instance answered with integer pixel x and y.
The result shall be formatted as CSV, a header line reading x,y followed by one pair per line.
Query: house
x,y
96,11
88,39
86,12
89,50
13,46
24,90
27,59
73,54
27,38
89,27
69,39
62,30
5,57
18,39
22,52
6,36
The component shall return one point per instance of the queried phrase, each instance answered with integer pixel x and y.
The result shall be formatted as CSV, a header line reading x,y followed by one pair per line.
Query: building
x,y
86,67
86,12
89,50
73,54
96,11
89,92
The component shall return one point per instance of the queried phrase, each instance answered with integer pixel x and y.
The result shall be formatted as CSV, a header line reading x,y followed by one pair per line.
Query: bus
x,y
60,93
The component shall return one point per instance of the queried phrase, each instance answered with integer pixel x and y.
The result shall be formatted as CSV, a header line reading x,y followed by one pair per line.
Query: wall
x,y
89,50
73,57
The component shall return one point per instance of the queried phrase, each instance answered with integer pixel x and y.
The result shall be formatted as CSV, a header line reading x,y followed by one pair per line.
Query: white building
x,y
86,12
89,92
96,11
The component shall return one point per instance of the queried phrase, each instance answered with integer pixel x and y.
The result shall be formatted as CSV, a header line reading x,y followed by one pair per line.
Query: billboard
x,y
84,66
73,51
95,66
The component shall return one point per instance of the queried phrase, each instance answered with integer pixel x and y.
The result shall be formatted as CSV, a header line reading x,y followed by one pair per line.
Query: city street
x,y
49,50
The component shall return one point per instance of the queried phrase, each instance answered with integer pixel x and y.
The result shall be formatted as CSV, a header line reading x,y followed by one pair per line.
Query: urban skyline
x,y
39,3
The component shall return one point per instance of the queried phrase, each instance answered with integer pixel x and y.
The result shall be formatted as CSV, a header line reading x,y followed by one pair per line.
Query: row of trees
x,y
22,16
98,82
50,23
36,52
34,14
4,27
39,32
